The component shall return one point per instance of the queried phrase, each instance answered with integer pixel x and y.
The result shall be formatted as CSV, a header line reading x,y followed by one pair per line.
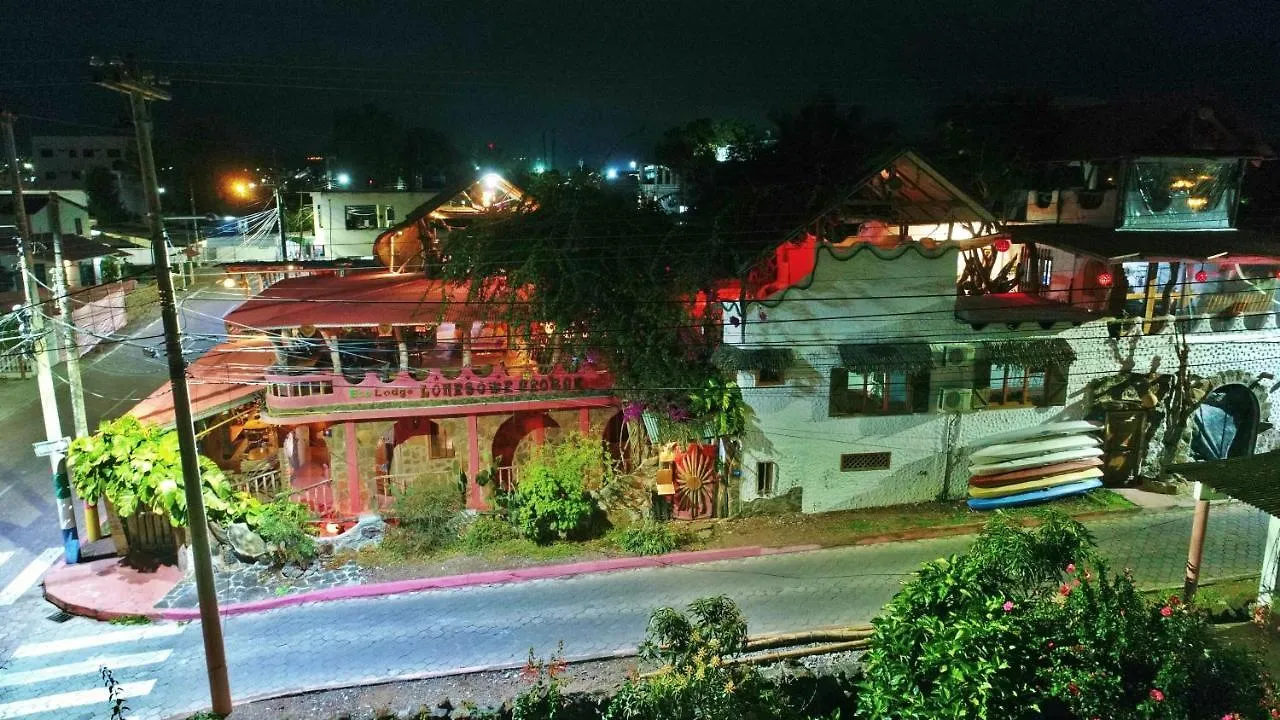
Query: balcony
x,y
293,392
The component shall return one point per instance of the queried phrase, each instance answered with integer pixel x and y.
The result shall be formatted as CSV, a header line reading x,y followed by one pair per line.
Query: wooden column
x,y
464,339
475,494
354,500
335,358
584,421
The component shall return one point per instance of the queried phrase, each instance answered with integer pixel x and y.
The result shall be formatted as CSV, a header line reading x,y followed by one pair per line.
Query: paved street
x,y
115,379
364,640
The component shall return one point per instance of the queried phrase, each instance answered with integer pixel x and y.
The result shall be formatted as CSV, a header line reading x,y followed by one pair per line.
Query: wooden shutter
x,y
839,400
1055,385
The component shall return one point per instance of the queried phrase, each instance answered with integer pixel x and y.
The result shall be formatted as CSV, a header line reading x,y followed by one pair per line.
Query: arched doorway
x,y
1225,424
618,443
509,446
413,448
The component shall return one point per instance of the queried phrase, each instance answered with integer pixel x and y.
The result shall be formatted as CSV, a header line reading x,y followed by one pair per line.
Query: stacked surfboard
x,y
1036,464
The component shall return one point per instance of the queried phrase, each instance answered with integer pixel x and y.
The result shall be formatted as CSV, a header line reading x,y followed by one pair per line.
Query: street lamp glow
x,y
228,218
229,283
539,169
344,179
160,190
611,174
632,164
492,180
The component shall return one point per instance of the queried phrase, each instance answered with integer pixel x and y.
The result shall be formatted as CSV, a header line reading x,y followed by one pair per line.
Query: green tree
x,y
103,189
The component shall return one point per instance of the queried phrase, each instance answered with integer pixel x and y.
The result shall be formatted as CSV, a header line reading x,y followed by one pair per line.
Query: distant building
x,y
660,186
346,222
66,161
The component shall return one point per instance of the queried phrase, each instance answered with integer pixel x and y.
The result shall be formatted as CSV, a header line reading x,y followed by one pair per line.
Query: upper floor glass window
x,y
1180,194
362,217
892,392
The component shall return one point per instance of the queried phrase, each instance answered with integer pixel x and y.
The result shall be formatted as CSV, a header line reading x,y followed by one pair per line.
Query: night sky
x,y
608,76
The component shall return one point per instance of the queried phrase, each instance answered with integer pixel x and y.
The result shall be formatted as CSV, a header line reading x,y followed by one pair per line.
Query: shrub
x,y
137,468
1021,627
487,531
283,524
649,538
428,517
696,681
552,499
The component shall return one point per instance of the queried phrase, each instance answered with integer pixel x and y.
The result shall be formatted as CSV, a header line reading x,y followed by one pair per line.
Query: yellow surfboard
x,y
1037,484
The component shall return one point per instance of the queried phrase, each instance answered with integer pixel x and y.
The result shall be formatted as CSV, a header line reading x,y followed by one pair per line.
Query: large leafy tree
x,y
611,279
103,189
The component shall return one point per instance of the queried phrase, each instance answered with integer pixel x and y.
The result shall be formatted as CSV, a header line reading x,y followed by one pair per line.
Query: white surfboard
x,y
1068,427
1028,448
1037,461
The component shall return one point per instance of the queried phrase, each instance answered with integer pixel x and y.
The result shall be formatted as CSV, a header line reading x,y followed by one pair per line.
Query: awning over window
x,y
1030,353
731,358
911,357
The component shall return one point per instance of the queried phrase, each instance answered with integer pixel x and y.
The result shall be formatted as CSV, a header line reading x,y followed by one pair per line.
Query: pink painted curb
x,y
492,577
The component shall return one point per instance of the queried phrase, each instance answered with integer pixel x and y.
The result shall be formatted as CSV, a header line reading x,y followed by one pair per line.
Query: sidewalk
x,y
1146,541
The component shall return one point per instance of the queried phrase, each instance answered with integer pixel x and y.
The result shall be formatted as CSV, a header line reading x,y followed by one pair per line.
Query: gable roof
x,y
904,188
1165,126
457,200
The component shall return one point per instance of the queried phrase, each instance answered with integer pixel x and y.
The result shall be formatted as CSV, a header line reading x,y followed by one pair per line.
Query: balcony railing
x,y
292,392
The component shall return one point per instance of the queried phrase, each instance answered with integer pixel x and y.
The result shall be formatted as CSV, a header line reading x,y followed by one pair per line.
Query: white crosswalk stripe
x,y
54,679
143,632
83,667
29,576
77,698
4,557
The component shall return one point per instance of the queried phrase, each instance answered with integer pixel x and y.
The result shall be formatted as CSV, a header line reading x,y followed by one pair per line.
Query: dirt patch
x,y
408,697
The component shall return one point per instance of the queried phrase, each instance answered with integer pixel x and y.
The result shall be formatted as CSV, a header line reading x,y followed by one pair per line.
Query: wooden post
x,y
584,421
354,501
335,358
475,495
1195,552
1270,562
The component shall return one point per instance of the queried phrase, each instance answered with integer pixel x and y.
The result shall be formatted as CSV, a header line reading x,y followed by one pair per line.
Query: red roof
x,y
220,379
365,299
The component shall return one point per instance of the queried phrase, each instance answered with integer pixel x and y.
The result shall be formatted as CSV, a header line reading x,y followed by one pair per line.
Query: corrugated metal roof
x,y
1254,479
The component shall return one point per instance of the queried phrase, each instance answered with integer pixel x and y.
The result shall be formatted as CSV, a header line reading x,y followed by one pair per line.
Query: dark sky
x,y
610,75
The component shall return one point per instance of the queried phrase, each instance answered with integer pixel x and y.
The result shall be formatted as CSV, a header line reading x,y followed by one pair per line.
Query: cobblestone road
x,y
376,639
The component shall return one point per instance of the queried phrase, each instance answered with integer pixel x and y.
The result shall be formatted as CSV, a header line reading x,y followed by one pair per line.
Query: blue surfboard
x,y
1035,496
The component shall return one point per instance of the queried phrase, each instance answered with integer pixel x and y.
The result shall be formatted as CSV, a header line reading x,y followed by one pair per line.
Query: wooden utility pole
x,y
92,527
42,350
123,77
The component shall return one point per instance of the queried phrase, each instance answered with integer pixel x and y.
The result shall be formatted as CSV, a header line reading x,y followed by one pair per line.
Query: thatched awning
x,y
862,359
1253,479
1030,353
732,358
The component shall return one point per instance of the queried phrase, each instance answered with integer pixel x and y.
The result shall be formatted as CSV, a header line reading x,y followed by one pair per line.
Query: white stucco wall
x,y
911,298
329,218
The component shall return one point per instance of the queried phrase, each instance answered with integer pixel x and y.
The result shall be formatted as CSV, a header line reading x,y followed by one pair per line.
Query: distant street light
x,y
344,179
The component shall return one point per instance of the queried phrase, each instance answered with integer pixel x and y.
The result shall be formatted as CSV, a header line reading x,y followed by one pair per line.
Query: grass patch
x,y
1228,601
131,620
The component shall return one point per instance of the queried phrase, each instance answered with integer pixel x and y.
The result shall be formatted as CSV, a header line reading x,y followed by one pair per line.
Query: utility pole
x,y
123,77
284,241
42,351
92,527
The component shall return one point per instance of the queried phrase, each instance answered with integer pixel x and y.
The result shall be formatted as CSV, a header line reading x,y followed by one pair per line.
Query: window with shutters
x,y
766,478
1021,386
892,392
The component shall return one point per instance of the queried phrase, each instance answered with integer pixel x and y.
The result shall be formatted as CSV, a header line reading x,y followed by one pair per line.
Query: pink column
x,y
475,494
354,501
584,421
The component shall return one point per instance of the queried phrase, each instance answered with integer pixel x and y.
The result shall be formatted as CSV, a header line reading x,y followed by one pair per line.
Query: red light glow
x,y
1201,276
1002,245
1105,279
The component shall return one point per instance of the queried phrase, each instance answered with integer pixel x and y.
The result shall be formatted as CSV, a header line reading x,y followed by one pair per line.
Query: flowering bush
x,y
553,499
1021,627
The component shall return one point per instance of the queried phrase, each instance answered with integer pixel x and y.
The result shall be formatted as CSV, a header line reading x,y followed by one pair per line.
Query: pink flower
x,y
1166,611
1156,695
1073,688
1064,590
1071,567
1008,606
1174,600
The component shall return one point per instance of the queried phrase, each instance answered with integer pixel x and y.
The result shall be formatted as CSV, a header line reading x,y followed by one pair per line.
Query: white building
x,y
904,326
66,161
346,222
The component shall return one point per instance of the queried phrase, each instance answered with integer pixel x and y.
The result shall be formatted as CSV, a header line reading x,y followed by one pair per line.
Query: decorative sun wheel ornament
x,y
695,481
